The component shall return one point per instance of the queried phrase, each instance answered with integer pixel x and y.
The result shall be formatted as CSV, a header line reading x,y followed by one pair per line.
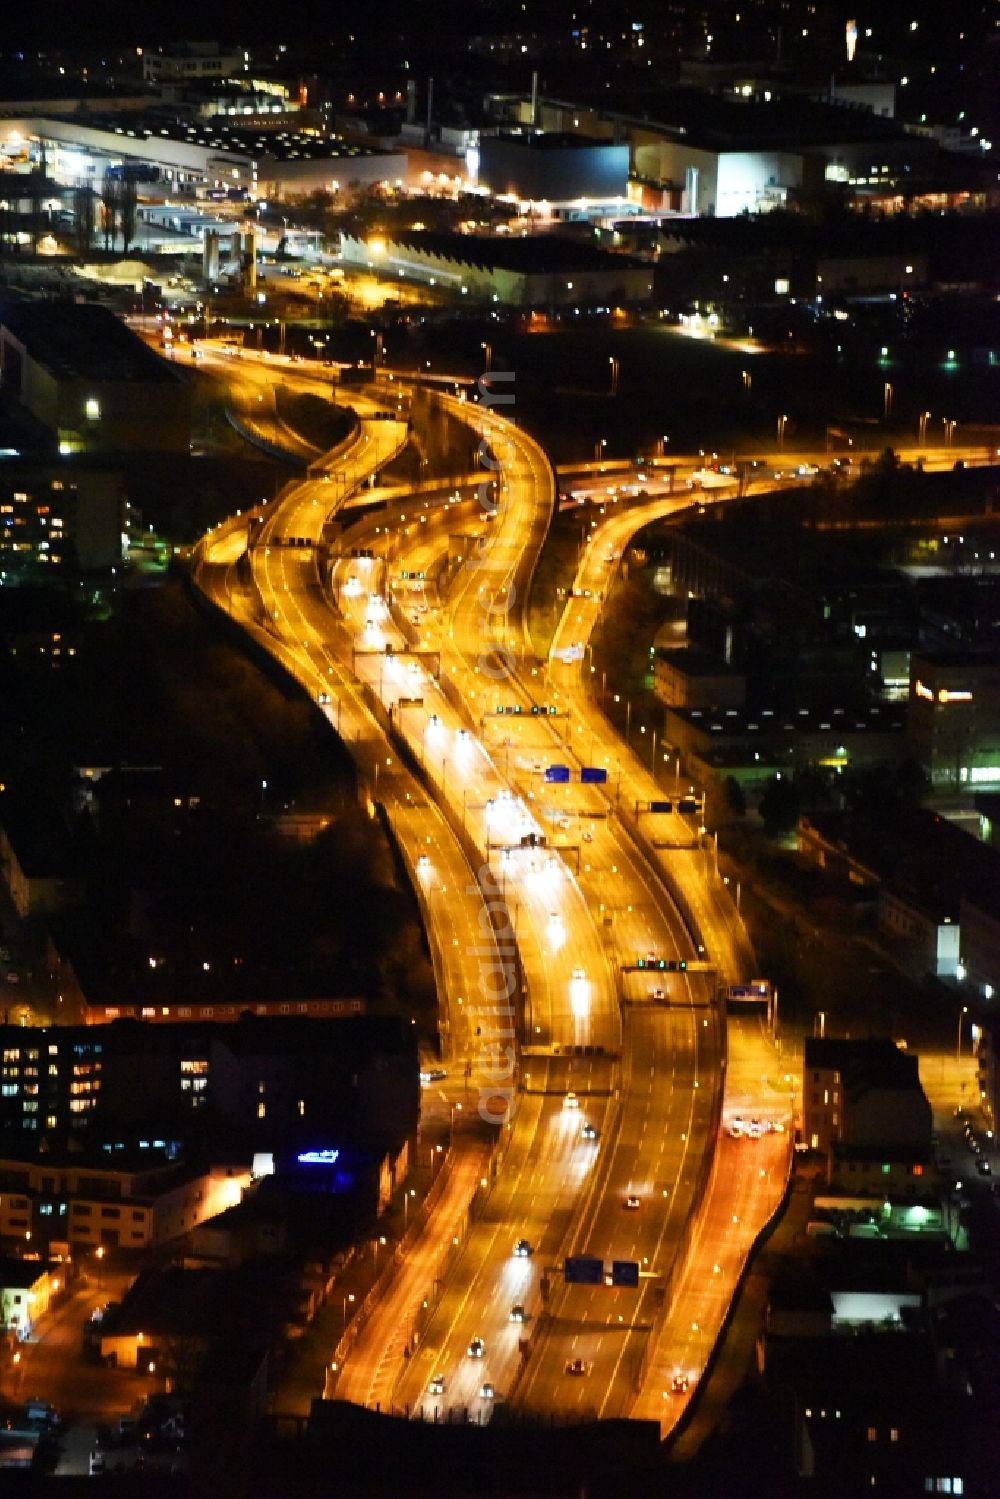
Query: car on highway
x,y
737,1129
588,1132
522,1249
476,1348
423,861
680,1384
631,1203
576,1366
755,1129
571,1101
659,995
983,1167
517,1313
487,1391
323,698
436,1386
432,1074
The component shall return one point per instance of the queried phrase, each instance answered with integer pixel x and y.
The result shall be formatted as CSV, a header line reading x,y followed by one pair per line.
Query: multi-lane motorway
x,y
477,750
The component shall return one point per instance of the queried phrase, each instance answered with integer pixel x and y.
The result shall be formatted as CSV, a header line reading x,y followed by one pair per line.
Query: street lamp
x,y
781,432
664,439
922,431
747,381
613,362
949,431
348,1301
599,447
886,400
406,1205
961,1016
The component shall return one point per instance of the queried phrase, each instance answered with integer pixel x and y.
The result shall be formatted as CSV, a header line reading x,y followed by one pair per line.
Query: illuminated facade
x,y
954,718
54,520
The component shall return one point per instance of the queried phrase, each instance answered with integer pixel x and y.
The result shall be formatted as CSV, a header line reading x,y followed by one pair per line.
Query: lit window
x,y
894,1433
873,1434
262,1110
92,409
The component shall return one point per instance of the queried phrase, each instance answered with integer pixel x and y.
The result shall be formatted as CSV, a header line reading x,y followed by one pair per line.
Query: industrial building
x,y
954,717
214,154
90,381
541,271
539,166
696,153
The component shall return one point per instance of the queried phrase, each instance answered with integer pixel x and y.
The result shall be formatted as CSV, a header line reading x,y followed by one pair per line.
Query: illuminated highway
x,y
286,609
662,1125
457,727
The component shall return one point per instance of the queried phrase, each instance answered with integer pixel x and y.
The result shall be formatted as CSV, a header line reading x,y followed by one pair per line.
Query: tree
x,y
735,800
83,216
779,806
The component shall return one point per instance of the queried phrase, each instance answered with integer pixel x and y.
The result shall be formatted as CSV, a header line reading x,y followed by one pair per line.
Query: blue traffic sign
x,y
556,773
584,1270
661,806
625,1273
593,775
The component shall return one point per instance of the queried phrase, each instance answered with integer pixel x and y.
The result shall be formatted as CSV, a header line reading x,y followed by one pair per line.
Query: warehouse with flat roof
x,y
207,153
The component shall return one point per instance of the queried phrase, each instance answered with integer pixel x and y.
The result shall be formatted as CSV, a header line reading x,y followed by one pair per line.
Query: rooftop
x,y
217,134
551,140
876,1062
696,663
543,253
727,123
959,660
882,718
21,1275
84,342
